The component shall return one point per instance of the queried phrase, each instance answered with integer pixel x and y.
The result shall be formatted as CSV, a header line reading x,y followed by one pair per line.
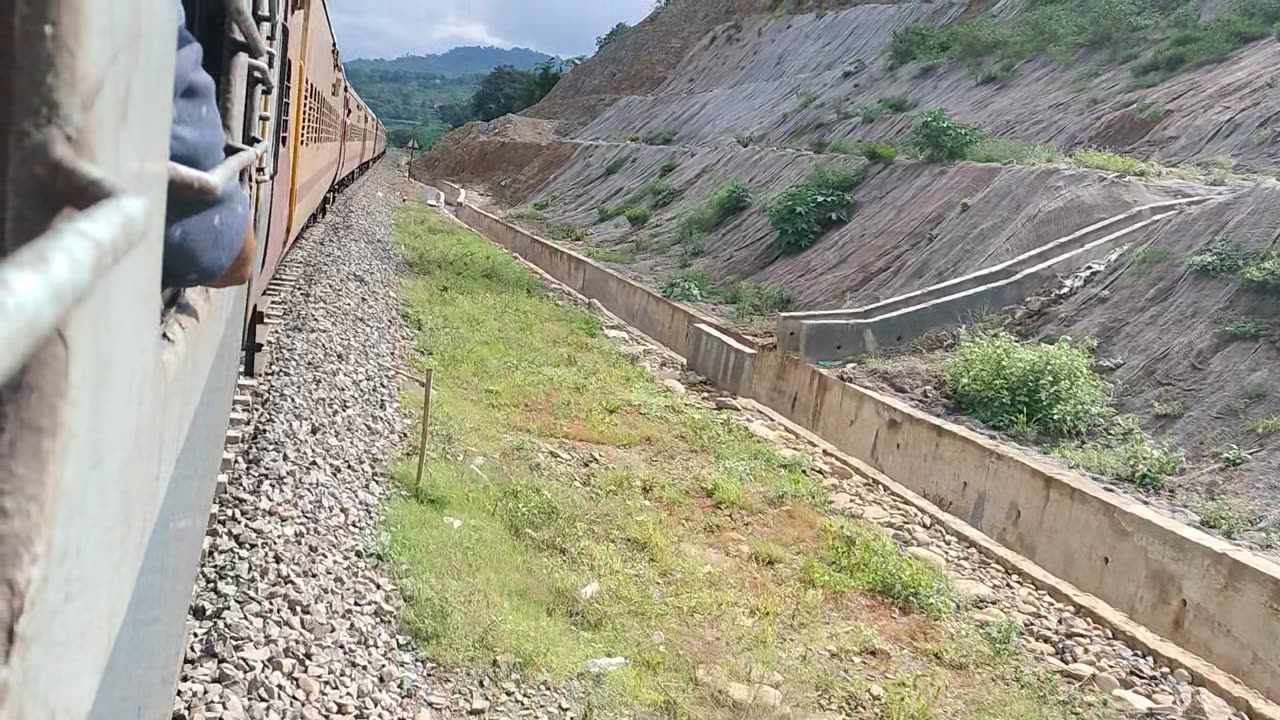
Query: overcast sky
x,y
391,28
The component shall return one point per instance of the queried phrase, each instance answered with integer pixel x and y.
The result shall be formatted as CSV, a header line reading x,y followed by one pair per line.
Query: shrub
x,y
667,168
1112,162
894,104
727,200
868,114
918,42
819,145
661,193
752,298
1124,454
1246,328
1196,43
1262,270
637,216
604,213
1232,456
1149,111
688,286
1016,386
865,559
1013,152
616,164
542,204
807,210
1221,516
1145,259
882,153
567,232
1168,408
1266,425
804,99
743,140
1222,256
938,138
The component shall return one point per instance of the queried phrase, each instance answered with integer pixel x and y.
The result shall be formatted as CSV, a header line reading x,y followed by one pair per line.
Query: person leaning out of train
x,y
207,242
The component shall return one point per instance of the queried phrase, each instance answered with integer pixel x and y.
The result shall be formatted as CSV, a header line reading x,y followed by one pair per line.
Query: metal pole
x,y
426,419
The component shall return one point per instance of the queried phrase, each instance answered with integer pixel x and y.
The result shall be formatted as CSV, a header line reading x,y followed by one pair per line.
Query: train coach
x,y
115,393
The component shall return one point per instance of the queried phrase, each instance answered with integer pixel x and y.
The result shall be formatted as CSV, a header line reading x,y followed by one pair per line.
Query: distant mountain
x,y
458,62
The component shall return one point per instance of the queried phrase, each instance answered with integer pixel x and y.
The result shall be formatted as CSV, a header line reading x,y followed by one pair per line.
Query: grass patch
x,y
894,104
637,217
804,99
542,204
566,233
1232,456
1168,407
662,137
1224,257
878,153
610,255
751,299
725,201
524,213
807,210
653,510
1113,162
1013,152
617,164
862,558
1246,328
1124,453
1144,261
1028,387
689,285
1265,425
667,167
1223,517
1193,44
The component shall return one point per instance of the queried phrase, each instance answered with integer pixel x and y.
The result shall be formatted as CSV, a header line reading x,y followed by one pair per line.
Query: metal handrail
x,y
212,183
46,278
248,28
263,71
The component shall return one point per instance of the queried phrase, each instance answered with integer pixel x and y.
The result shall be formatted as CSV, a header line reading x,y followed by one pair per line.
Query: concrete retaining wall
x,y
1206,595
1000,285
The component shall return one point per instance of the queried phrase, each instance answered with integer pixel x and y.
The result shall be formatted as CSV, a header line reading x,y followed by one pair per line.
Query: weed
x,y
524,213
965,204
868,114
767,552
663,137
993,74
807,210
1222,516
1266,425
1232,456
661,193
1263,270
637,216
634,138
725,492
1221,257
668,167
617,164
864,558
1257,391
724,202
918,42
1195,44
882,153
1009,385
604,213
1168,407
1013,152
744,140
542,204
1124,453
1246,328
1113,162
688,285
894,104
569,233
938,138
910,698
610,255
804,99
819,145
1145,259
752,298
1149,111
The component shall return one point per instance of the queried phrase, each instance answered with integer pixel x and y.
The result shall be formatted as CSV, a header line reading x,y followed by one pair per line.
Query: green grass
x,y
661,494
1144,261
637,217
1265,425
1168,407
1113,162
1124,453
667,168
617,163
1014,152
610,255
569,233
1246,328
1224,257
662,137
727,200
1224,517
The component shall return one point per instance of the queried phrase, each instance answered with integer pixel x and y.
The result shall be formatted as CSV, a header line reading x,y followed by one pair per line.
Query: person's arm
x,y
208,241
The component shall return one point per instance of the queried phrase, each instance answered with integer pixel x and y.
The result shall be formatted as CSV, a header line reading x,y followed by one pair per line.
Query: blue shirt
x,y
202,236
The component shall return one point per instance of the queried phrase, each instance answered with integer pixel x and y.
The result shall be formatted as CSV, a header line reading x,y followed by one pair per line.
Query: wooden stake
x,y
426,419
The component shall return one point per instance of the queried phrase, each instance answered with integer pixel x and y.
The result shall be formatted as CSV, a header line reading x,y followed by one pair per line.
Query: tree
x,y
454,115
618,31
540,82
499,93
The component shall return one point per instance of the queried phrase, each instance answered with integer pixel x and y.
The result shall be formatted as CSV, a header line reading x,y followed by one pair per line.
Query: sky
x,y
391,28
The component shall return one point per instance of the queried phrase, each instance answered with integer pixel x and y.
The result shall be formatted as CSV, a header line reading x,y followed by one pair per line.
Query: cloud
x,y
390,28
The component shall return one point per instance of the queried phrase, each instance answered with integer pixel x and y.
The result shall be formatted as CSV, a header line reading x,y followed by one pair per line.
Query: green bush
x,y
667,168
807,210
542,204
1112,162
688,286
1125,454
919,42
882,153
1247,328
1232,456
938,138
637,216
664,137
661,193
1016,386
1263,270
868,114
1195,43
1013,152
894,104
818,145
804,99
726,201
604,213
752,298
1221,257
860,558
567,232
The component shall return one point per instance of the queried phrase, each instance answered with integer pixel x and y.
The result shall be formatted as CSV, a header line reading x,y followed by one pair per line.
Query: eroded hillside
x,y
636,148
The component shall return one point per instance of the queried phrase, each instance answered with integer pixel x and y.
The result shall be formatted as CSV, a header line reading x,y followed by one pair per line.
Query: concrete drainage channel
x,y
837,334
1196,603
